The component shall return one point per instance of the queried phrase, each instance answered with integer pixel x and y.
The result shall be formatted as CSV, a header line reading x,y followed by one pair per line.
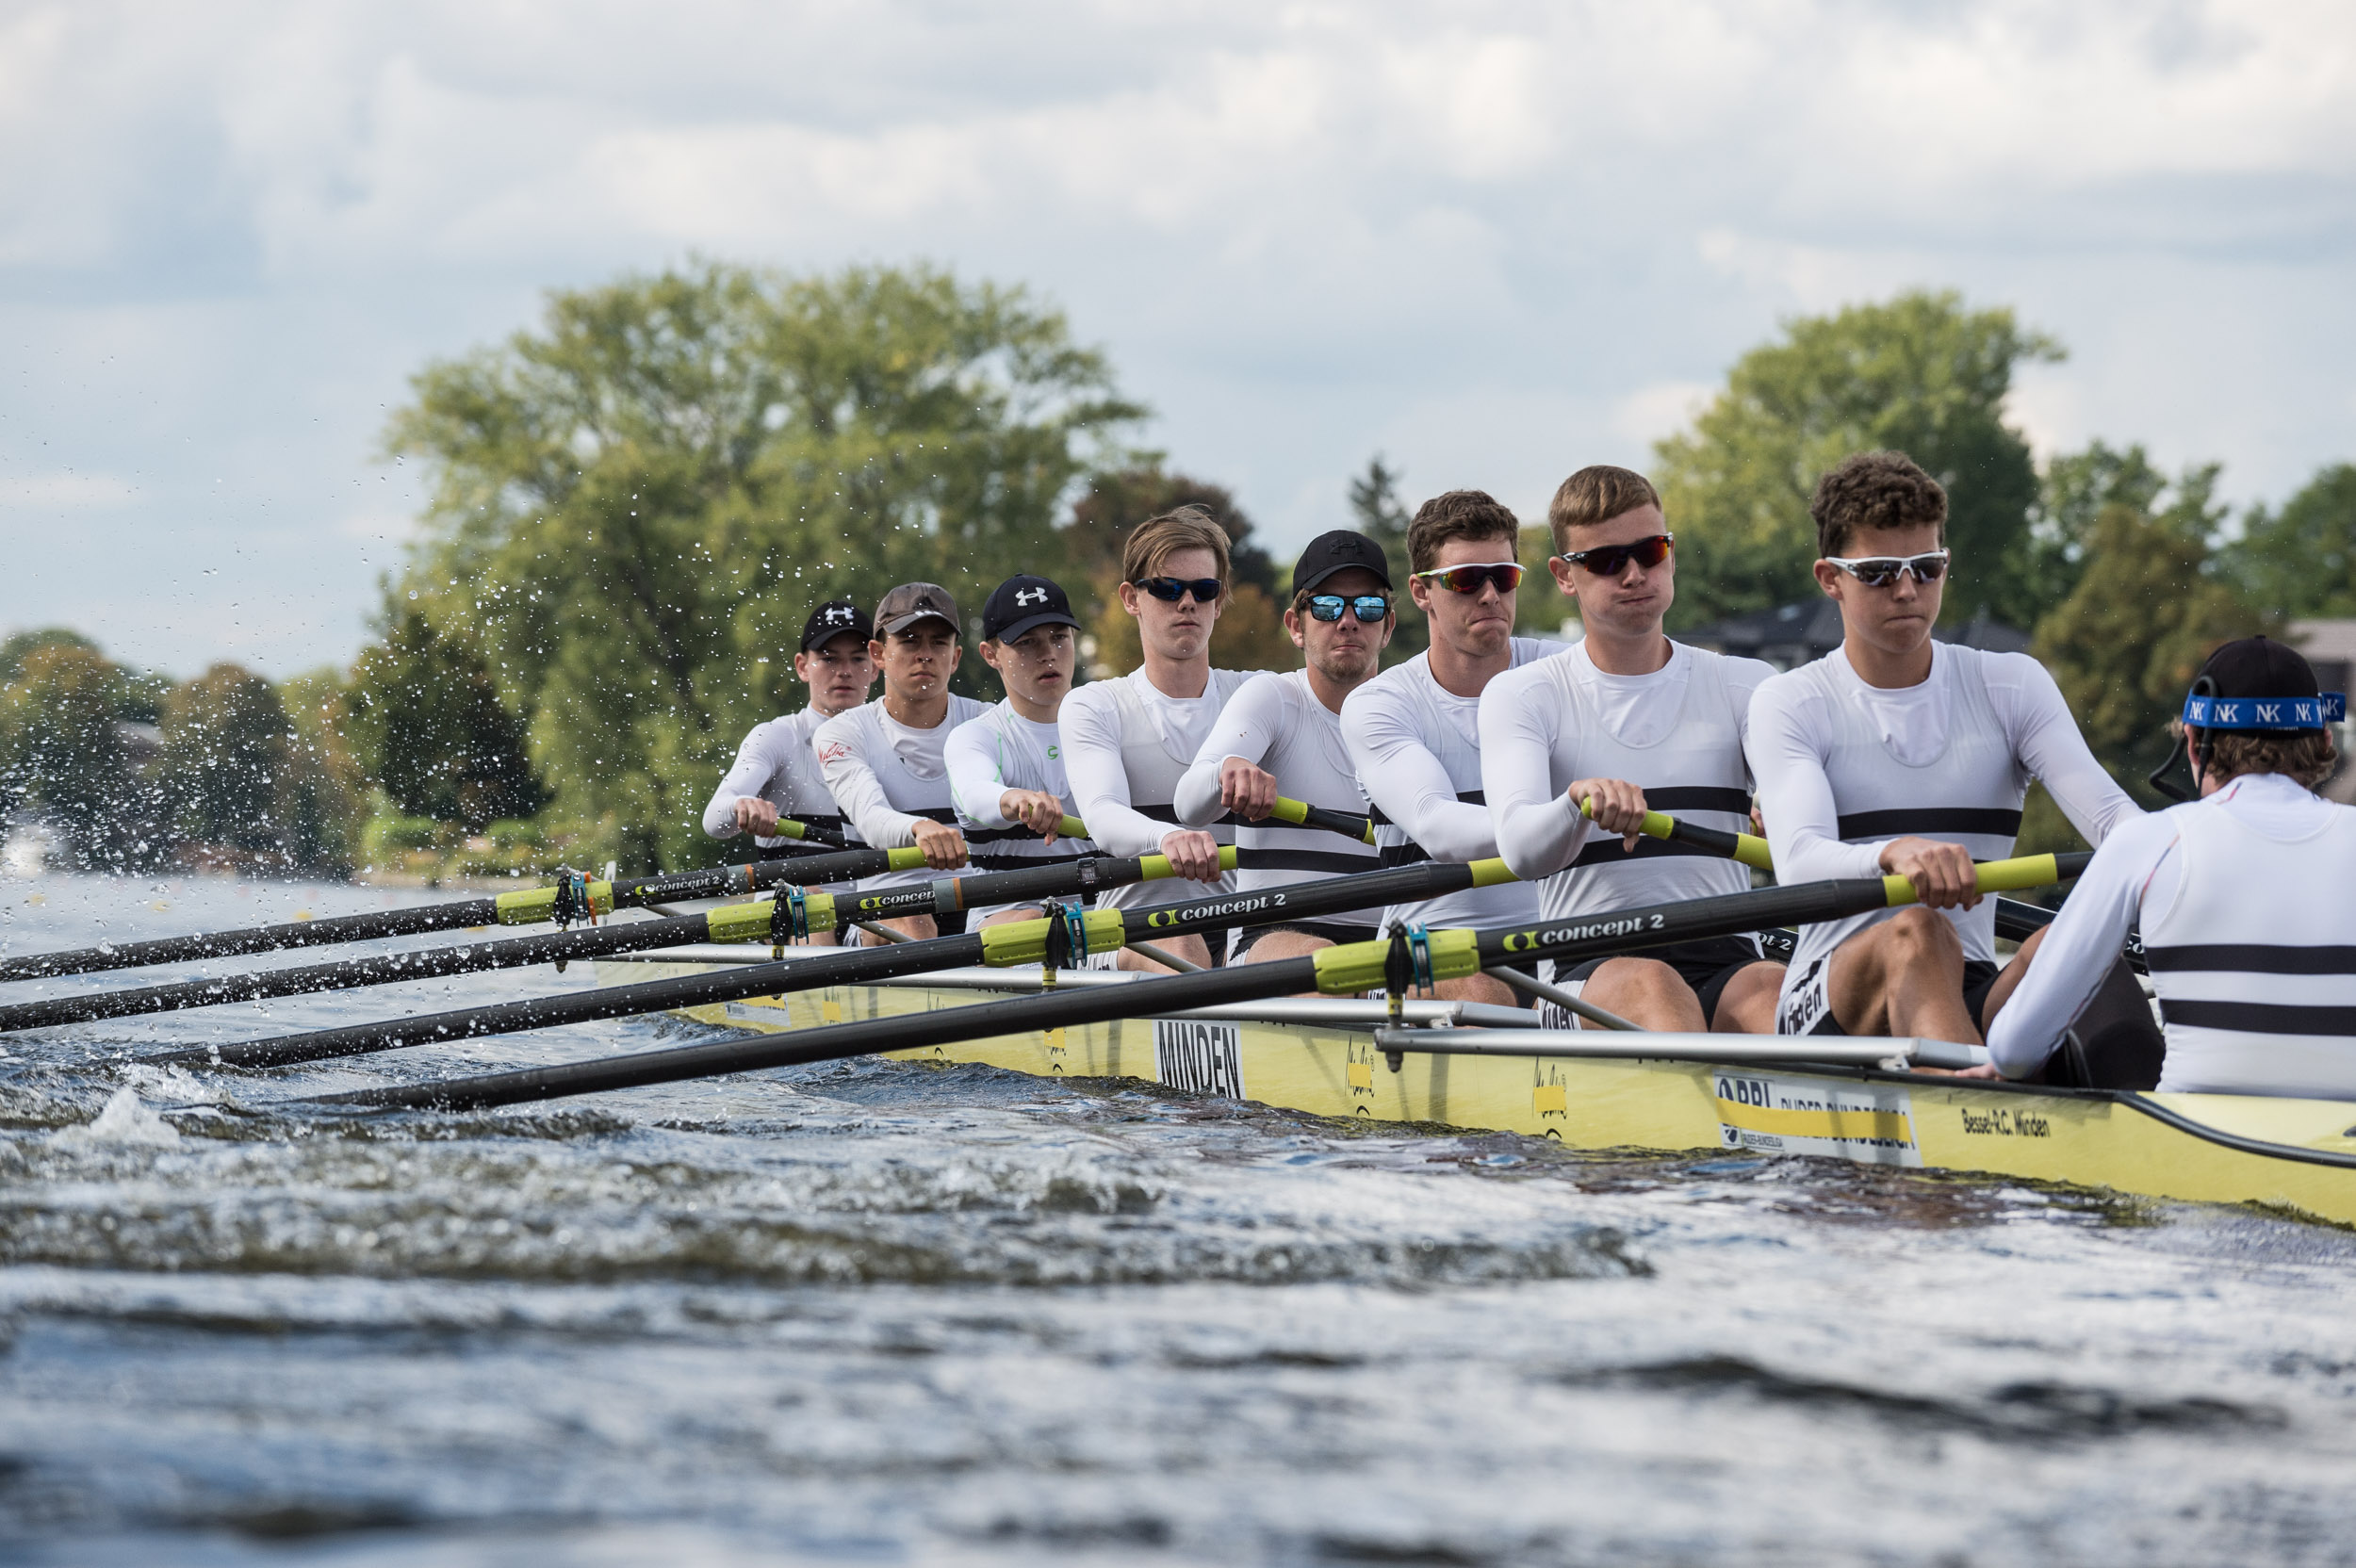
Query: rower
x,y
2241,897
1896,753
1127,741
884,759
1283,734
1635,723
776,774
1006,768
1413,731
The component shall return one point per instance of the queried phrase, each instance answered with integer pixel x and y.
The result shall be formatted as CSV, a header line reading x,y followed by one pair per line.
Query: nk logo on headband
x,y
2266,712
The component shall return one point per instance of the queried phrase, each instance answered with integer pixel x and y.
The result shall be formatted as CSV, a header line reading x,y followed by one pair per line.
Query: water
x,y
869,1312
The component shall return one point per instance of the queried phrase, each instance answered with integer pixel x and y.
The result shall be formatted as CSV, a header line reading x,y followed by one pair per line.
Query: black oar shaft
x,y
856,966
1349,967
517,908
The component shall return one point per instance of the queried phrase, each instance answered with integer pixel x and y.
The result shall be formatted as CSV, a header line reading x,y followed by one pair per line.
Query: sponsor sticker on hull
x,y
1205,1057
1873,1123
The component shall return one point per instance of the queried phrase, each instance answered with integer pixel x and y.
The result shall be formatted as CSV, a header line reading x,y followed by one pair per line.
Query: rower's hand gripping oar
x,y
1345,970
1301,814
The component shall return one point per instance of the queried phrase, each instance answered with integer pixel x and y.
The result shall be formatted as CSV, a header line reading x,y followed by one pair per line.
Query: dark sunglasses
x,y
1881,571
1611,560
1470,580
1368,607
1170,590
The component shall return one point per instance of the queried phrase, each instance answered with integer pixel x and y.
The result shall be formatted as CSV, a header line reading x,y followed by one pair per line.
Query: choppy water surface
x,y
871,1312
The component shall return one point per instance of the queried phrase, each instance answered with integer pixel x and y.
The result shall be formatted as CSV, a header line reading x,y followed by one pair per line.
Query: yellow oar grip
x,y
533,905
1992,877
1025,941
1488,874
1294,811
1749,848
752,922
1156,867
1072,828
1348,968
905,859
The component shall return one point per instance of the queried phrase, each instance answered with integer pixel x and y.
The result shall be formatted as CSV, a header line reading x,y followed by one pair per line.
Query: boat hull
x,y
2297,1155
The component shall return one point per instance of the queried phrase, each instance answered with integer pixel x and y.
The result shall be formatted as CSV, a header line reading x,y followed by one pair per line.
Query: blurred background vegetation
x,y
635,503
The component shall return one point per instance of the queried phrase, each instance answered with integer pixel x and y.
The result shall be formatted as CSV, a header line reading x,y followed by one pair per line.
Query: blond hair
x,y
1151,543
1597,495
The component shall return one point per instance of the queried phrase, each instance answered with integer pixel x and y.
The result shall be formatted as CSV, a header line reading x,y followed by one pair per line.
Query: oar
x,y
1345,970
1749,848
2016,921
777,920
1060,941
573,897
1301,814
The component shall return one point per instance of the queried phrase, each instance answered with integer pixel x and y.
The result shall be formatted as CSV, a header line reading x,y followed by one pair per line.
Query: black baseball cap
x,y
831,620
912,602
2257,685
1021,602
1338,552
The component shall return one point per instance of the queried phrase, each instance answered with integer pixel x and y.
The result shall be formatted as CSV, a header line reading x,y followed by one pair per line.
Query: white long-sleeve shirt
x,y
1844,768
1277,723
2136,882
775,763
1416,748
1676,733
1002,750
885,775
1125,747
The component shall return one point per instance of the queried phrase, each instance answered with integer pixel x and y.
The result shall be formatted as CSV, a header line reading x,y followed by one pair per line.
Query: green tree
x,y
1250,632
1377,511
633,506
21,645
61,752
2149,608
323,803
427,725
2301,560
227,753
1920,374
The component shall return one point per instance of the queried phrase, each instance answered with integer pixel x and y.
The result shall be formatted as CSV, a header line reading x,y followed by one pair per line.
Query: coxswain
x,y
884,759
1899,754
776,774
1632,722
1006,767
1282,735
2241,897
1128,741
1413,731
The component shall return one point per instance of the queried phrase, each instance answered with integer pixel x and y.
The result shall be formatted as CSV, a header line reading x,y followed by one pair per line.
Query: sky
x,y
1492,242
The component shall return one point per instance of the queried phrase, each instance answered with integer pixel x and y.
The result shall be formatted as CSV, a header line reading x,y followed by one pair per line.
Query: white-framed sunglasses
x,y
1880,571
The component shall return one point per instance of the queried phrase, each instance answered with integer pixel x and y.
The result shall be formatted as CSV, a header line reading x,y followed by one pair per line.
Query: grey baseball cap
x,y
912,602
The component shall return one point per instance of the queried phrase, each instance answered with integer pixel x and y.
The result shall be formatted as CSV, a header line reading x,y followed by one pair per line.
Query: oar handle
x,y
1301,814
1157,866
1749,848
2003,876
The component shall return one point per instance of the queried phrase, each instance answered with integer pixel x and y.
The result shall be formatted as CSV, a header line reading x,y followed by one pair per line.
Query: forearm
x,y
1407,784
977,784
1795,801
1197,798
2068,969
1537,831
743,780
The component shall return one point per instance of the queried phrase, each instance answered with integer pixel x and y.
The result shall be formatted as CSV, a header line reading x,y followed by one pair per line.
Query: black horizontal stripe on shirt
x,y
986,861
1013,831
1170,814
1699,797
1340,863
1464,797
1611,852
1403,854
2251,958
2258,1018
1996,822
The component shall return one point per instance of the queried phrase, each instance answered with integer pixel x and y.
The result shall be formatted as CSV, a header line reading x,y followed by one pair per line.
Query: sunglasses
x,y
1368,607
1471,580
1880,571
1611,560
1170,590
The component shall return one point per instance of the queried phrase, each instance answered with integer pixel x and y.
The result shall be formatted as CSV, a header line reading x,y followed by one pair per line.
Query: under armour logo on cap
x,y
1021,602
1030,596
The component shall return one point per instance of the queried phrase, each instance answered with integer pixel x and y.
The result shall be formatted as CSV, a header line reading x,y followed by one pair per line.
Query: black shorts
x,y
1705,965
1331,930
1813,995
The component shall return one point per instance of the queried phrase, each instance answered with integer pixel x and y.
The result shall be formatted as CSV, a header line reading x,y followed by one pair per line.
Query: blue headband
x,y
2265,712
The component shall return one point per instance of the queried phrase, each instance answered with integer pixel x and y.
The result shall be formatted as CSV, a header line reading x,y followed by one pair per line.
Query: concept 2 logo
x,y
1214,914
1525,941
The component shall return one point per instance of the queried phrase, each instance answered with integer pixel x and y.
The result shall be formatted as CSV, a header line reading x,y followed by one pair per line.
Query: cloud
x,y
65,491
1491,238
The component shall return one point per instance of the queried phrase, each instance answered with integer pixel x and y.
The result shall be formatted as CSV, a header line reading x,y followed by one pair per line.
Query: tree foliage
x,y
1920,374
62,752
2301,560
1251,631
634,505
426,723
